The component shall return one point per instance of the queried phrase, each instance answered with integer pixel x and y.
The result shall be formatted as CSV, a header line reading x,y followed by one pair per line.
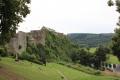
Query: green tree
x,y
12,13
116,43
116,38
74,56
100,56
85,57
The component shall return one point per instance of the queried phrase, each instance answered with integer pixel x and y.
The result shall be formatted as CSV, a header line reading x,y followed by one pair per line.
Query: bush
x,y
0,58
97,73
2,52
27,56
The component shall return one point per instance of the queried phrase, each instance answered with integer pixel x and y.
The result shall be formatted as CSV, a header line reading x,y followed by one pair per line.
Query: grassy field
x,y
92,50
2,78
113,59
52,71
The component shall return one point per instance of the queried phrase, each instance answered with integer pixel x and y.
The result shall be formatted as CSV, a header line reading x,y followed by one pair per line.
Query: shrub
x,y
27,56
2,52
97,73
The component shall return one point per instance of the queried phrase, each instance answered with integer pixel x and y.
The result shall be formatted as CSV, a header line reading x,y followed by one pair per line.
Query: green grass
x,y
82,68
2,78
52,71
92,50
113,59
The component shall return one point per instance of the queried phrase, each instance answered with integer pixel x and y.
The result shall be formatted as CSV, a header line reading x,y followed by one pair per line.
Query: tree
x,y
116,39
85,57
116,43
74,56
100,56
12,13
42,54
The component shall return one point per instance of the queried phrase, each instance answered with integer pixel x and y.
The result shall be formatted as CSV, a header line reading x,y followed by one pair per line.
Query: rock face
x,y
18,44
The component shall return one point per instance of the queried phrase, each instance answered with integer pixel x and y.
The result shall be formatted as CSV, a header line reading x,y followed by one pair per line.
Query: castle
x,y
18,43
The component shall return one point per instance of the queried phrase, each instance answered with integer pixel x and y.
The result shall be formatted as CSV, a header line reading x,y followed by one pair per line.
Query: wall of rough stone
x,y
18,44
37,37
22,42
12,46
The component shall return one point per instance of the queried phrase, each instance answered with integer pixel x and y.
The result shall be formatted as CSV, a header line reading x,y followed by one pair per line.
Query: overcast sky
x,y
71,16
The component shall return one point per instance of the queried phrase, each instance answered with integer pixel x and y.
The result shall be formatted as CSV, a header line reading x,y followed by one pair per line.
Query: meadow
x,y
53,71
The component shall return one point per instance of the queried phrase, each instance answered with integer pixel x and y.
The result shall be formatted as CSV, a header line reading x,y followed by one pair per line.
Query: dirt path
x,y
109,73
10,75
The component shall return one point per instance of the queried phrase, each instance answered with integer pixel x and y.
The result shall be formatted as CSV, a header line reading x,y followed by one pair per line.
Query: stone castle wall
x,y
18,44
37,37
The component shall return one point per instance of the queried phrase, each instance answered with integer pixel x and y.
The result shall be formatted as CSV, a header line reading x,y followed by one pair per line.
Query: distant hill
x,y
90,40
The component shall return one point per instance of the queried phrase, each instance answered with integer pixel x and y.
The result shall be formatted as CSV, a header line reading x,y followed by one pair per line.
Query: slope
x,y
53,71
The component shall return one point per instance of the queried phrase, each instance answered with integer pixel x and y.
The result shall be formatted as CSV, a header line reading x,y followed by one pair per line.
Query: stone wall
x,y
37,36
12,46
18,44
22,42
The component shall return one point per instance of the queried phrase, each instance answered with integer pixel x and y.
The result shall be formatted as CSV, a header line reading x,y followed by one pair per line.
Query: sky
x,y
71,16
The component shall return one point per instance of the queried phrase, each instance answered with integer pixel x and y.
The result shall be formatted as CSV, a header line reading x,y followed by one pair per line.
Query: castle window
x,y
19,47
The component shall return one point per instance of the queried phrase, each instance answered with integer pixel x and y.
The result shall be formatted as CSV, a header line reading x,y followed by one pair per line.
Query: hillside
x,y
44,45
90,40
57,46
24,70
48,55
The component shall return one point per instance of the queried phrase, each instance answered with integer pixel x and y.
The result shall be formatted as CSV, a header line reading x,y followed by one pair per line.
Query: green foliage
x,y
85,57
12,13
75,57
112,59
116,39
27,56
116,43
110,3
34,53
3,52
100,56
90,40
58,47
